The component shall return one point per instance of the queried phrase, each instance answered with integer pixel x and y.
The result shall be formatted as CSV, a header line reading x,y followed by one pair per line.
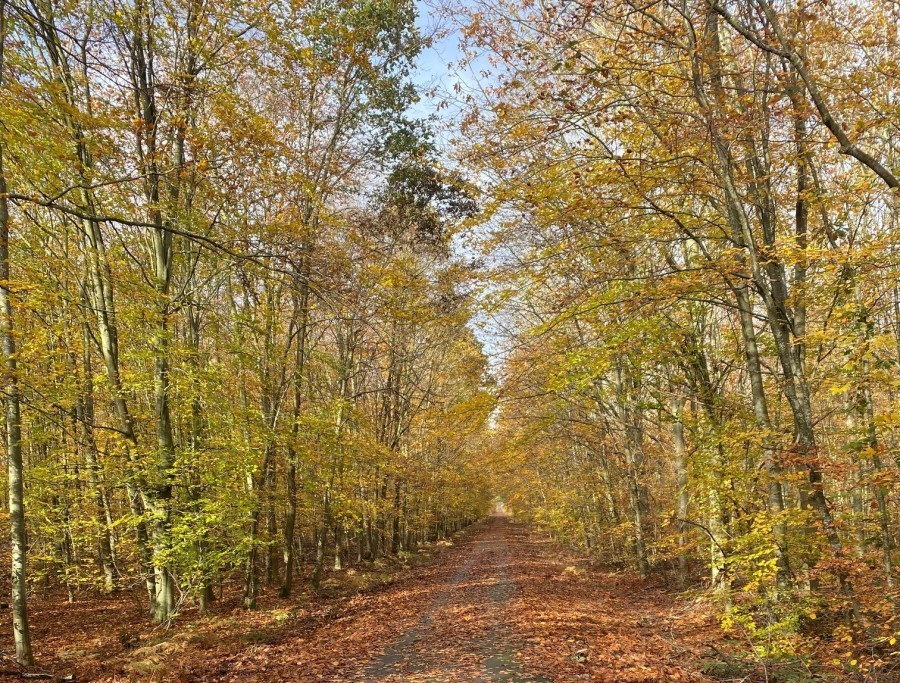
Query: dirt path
x,y
462,634
513,611
501,605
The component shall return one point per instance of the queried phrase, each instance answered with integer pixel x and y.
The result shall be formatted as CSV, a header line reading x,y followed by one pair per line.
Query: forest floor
x,y
501,604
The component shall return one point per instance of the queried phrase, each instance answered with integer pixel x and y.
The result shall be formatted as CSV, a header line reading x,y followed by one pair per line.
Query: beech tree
x,y
13,409
696,287
234,330
248,301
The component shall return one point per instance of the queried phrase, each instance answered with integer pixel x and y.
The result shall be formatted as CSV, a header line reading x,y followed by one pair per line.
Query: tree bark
x,y
681,483
16,489
631,422
301,303
92,464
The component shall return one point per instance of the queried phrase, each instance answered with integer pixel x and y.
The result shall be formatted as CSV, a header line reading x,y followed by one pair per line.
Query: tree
x,y
13,409
673,232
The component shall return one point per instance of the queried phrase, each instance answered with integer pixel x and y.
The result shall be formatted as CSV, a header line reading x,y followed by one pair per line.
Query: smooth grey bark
x,y
15,468
250,586
866,410
767,272
768,276
801,222
92,464
681,483
21,632
205,593
102,302
631,422
138,39
697,373
338,534
271,382
271,558
322,540
159,493
857,504
301,313
290,523
100,290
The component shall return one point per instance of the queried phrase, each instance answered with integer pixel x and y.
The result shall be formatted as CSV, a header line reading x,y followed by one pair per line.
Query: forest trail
x,y
501,603
506,608
462,635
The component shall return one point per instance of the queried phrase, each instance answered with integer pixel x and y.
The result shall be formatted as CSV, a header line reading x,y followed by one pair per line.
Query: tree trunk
x,y
21,633
100,290
322,541
205,594
773,289
681,483
86,419
630,419
290,521
271,559
866,409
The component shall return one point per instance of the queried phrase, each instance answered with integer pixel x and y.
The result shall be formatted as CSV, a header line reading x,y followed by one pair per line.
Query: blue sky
x,y
436,64
439,70
439,65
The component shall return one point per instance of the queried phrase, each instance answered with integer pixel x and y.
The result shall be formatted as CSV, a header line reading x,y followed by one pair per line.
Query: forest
x,y
298,342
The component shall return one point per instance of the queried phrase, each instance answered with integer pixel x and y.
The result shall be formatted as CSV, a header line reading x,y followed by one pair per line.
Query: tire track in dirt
x,y
499,604
462,634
